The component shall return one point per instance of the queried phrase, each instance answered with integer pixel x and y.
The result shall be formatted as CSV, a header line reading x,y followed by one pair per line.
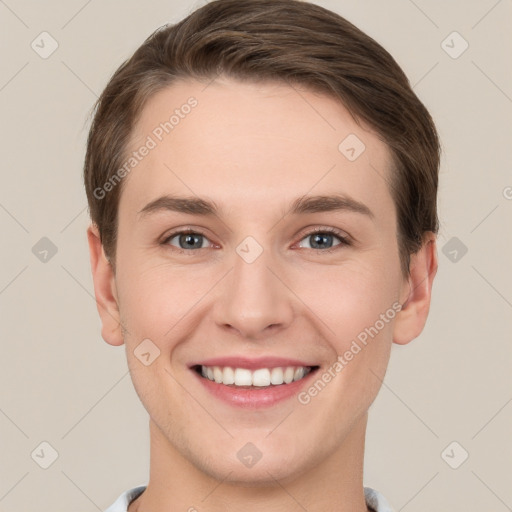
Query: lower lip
x,y
255,397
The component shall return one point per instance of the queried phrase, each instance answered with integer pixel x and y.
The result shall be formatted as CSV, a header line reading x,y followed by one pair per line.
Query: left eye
x,y
188,240
322,240
316,240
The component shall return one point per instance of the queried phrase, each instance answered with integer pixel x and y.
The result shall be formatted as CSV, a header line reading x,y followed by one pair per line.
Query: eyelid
x,y
326,229
185,231
344,238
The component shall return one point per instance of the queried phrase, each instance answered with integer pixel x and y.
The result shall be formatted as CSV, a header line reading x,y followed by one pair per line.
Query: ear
x,y
104,289
416,292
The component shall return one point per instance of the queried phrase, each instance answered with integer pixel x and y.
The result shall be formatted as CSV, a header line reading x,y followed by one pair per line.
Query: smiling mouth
x,y
253,379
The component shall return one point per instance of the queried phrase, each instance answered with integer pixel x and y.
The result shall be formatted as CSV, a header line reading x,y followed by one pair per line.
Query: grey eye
x,y
188,240
320,240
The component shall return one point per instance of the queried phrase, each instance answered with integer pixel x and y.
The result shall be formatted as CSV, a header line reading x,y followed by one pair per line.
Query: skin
x,y
253,149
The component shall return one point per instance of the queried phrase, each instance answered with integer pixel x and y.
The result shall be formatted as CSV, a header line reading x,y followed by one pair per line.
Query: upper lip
x,y
252,363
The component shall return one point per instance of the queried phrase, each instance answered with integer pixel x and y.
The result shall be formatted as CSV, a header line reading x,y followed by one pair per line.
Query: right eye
x,y
186,240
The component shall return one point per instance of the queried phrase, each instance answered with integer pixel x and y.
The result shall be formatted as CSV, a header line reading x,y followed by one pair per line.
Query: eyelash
x,y
345,241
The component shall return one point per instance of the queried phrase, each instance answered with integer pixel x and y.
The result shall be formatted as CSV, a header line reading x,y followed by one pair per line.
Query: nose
x,y
254,300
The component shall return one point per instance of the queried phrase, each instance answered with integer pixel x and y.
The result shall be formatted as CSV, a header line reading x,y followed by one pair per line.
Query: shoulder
x,y
121,504
376,501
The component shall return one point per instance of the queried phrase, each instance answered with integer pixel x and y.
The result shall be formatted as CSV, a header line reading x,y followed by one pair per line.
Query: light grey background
x,y
61,384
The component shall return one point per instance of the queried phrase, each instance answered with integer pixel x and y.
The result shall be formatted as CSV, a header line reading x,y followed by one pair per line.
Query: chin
x,y
262,474
247,464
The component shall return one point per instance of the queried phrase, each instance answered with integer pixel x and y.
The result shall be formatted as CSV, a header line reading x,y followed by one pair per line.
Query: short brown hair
x,y
288,41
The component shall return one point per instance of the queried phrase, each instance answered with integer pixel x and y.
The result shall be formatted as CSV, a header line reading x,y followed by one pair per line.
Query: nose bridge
x,y
253,299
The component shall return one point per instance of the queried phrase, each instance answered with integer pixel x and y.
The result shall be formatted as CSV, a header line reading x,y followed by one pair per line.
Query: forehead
x,y
267,142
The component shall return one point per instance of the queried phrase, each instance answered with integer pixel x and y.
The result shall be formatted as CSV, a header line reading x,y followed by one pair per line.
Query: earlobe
x,y
104,289
412,318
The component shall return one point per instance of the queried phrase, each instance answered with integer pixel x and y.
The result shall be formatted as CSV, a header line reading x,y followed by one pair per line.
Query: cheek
x,y
350,298
155,298
358,304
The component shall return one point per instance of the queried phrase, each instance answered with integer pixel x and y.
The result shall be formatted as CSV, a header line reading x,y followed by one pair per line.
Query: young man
x,y
262,185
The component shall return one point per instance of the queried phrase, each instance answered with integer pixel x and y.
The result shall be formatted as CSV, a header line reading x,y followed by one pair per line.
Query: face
x,y
283,264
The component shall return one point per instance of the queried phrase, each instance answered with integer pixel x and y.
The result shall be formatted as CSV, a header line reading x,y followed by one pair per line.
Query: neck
x,y
335,483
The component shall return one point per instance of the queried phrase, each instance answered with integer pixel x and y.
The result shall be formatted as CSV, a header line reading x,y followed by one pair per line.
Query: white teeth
x,y
243,377
288,375
276,376
228,375
299,373
262,377
217,374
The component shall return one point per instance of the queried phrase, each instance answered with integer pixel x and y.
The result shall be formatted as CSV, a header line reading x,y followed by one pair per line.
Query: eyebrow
x,y
302,205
